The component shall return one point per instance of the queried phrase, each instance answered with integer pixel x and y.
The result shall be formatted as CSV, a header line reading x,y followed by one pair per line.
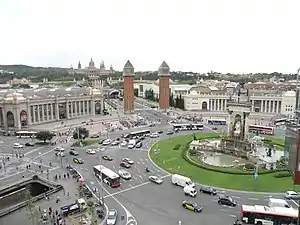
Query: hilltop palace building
x,y
203,97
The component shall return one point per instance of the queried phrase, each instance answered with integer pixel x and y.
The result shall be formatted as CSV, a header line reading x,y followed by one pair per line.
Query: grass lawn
x,y
275,140
171,160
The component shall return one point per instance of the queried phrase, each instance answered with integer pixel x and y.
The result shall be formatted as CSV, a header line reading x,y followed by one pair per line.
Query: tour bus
x,y
188,126
261,129
279,122
107,176
265,215
26,134
137,133
216,122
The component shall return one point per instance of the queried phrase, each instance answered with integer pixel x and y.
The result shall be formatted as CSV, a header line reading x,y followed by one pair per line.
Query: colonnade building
x,y
209,98
19,108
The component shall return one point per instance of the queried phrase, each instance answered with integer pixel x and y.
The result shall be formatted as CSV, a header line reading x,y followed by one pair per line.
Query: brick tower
x,y
164,86
128,74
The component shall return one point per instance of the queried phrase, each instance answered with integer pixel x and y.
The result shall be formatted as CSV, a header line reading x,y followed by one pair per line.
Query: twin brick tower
x,y
164,87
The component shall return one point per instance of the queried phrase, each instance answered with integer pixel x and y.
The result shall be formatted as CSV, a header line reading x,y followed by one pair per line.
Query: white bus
x,y
108,176
279,122
216,122
188,126
137,133
265,215
257,129
26,134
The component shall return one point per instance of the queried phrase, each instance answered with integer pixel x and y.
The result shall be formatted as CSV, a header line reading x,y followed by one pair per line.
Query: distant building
x,y
16,81
92,71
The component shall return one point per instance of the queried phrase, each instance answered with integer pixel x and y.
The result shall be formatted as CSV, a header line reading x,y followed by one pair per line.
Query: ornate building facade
x,y
92,71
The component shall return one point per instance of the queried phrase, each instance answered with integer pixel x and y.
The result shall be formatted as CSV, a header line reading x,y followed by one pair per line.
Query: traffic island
x,y
174,155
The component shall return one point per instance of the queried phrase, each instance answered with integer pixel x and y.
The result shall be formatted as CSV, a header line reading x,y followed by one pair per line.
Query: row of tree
x,y
177,102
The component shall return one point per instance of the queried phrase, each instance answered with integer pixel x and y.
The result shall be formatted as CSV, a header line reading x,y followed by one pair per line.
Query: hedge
x,y
184,155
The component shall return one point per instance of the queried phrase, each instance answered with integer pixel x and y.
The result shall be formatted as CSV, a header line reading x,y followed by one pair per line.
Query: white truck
x,y
188,190
131,143
182,181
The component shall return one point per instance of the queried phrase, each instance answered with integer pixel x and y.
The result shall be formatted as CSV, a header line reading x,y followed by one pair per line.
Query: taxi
x,y
106,157
78,160
191,206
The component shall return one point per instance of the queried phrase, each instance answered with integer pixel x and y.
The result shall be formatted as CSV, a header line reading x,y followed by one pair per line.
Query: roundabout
x,y
173,155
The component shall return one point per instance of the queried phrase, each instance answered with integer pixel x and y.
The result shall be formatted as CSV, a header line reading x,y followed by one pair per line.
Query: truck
x,y
182,181
77,207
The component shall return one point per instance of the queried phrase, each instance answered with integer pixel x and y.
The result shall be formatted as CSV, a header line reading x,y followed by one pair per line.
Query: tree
x,y
44,135
33,214
92,212
83,133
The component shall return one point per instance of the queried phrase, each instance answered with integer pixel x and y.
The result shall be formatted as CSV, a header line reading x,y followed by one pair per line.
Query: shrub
x,y
177,147
282,175
249,166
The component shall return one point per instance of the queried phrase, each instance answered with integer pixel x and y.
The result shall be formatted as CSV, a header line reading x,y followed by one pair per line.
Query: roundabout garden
x,y
175,156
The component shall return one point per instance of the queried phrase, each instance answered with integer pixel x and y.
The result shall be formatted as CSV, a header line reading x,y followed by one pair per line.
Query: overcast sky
x,y
240,36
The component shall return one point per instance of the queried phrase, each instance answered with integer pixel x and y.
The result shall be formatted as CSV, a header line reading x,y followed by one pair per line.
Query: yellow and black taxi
x,y
191,206
107,158
78,160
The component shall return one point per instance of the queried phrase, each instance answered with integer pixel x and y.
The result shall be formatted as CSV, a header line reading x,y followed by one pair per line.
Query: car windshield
x,y
189,182
111,215
194,204
230,199
154,178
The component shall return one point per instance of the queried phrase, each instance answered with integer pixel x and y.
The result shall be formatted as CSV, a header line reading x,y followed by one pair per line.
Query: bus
x,y
108,176
261,129
137,133
188,126
265,215
26,134
216,122
279,122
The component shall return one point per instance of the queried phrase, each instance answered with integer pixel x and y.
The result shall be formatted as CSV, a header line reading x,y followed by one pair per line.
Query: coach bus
x,y
265,215
137,133
265,130
279,122
107,176
188,126
216,122
26,134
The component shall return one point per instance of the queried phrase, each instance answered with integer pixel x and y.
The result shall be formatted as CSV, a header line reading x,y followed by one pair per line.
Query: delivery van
x,y
182,181
188,190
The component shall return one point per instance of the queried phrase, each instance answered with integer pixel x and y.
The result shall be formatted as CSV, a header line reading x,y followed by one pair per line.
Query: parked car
x,y
91,151
125,165
155,179
128,160
139,144
124,174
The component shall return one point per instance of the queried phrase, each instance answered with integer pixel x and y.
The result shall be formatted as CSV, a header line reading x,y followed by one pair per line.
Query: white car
x,y
154,135
60,154
114,143
124,144
128,160
112,217
90,151
17,145
155,179
106,142
59,149
124,174
291,195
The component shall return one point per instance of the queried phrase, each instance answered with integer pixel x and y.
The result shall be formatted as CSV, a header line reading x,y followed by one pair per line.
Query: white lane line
x,y
140,177
138,162
147,159
34,150
235,197
224,210
295,203
114,167
253,199
135,178
130,185
138,169
233,216
131,188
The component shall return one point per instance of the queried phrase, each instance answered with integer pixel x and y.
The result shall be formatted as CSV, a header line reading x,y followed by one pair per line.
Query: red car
x,y
125,165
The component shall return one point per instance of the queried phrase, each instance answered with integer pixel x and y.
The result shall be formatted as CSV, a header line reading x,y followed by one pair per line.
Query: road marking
x,y
138,162
131,188
130,185
253,199
233,215
146,159
224,210
295,203
135,178
114,166
235,197
138,169
140,177
34,150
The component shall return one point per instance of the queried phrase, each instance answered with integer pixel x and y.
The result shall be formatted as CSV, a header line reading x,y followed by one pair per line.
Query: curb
x,y
106,208
219,188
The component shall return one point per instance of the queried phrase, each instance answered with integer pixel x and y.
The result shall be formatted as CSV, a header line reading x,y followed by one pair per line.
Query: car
x,y
28,144
142,138
176,130
60,154
215,128
155,179
191,206
107,158
101,142
154,135
151,125
128,160
292,195
112,217
95,136
90,151
73,152
226,200
123,143
18,145
208,190
115,143
170,132
139,144
59,149
124,174
125,165
106,142
160,131
78,160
